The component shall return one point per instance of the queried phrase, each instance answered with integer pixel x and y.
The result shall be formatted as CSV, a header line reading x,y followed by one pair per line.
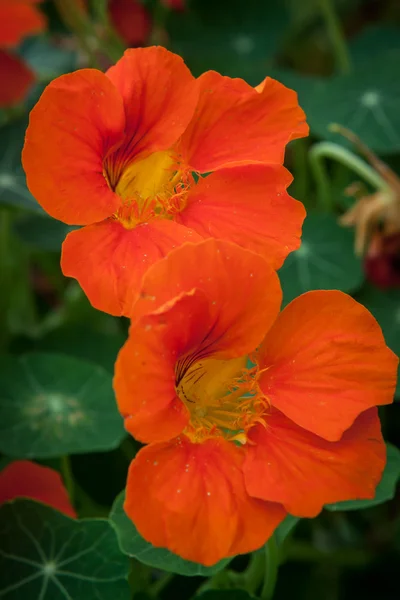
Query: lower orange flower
x,y
248,414
26,479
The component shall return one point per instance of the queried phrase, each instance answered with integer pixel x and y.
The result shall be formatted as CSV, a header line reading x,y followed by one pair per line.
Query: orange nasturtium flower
x,y
18,19
235,444
26,479
124,154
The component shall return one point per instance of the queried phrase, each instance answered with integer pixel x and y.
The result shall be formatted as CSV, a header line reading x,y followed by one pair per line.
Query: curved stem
x,y
77,21
271,569
253,576
160,584
335,33
324,150
112,44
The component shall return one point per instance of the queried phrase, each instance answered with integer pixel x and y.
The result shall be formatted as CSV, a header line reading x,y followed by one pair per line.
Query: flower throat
x,y
222,396
155,186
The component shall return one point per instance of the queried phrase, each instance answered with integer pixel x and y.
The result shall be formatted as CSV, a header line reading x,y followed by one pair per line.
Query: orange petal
x,y
17,20
235,124
77,121
144,381
109,261
25,479
16,78
131,19
325,362
249,206
191,499
290,465
159,95
242,289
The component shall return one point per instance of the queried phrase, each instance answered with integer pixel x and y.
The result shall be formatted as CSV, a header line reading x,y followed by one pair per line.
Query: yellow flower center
x,y
222,396
155,186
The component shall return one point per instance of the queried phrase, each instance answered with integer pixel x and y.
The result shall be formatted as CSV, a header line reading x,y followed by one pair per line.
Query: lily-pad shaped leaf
x,y
132,544
47,556
240,42
84,342
365,101
51,405
324,261
375,40
385,490
385,306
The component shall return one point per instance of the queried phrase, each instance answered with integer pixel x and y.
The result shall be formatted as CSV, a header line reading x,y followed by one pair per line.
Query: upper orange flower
x,y
18,18
124,153
25,479
235,444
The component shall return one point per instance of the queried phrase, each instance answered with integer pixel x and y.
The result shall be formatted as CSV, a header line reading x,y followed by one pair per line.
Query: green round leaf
x,y
375,40
51,405
132,543
324,261
365,101
84,342
385,306
385,490
240,43
48,556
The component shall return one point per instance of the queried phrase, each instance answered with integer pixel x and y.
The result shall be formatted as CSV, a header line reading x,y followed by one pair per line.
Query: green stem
x,y
112,44
68,477
336,35
336,152
271,551
159,585
254,574
100,10
79,23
